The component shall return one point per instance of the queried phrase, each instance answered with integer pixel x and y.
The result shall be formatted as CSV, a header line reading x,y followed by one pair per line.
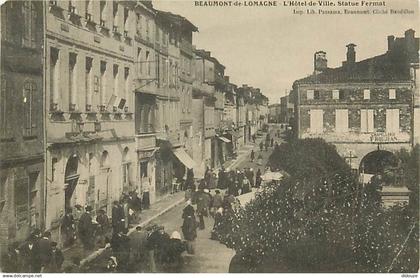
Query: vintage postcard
x,y
231,136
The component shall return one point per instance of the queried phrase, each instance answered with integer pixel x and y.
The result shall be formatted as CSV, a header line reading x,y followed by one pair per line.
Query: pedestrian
x,y
189,182
189,226
138,243
217,200
127,213
215,233
173,258
212,180
252,155
30,254
152,245
12,262
203,202
162,245
68,228
258,178
120,244
44,247
246,185
221,180
87,229
272,142
117,218
260,160
146,196
77,213
261,146
250,176
103,225
56,259
188,194
266,145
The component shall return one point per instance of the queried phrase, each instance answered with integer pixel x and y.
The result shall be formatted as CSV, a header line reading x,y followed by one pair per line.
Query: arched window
x,y
29,126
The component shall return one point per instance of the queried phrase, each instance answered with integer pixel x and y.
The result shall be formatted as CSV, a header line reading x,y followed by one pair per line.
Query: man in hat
x,y
117,217
120,244
56,259
189,226
152,245
45,249
203,202
11,262
86,229
138,242
30,255
67,227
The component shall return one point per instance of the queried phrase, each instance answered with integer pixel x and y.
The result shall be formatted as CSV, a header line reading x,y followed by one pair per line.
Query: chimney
x,y
391,40
409,34
351,54
320,61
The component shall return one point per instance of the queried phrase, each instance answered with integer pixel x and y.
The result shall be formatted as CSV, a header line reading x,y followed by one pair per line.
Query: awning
x,y
224,139
184,158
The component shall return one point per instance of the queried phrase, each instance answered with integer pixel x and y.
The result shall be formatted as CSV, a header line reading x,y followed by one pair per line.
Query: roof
x,y
177,19
207,55
388,67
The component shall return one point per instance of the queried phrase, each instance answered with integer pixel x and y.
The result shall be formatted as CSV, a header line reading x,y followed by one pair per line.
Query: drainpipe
x,y
44,116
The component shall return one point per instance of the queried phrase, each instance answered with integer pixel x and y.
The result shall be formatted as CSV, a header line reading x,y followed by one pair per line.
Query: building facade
x,y
22,189
365,108
91,156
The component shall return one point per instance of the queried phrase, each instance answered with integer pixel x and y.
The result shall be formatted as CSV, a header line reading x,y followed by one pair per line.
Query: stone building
x,y
91,152
287,109
365,108
204,94
240,119
274,112
22,138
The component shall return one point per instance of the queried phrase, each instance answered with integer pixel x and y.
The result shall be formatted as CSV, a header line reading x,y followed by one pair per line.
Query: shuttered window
x,y
366,120
392,120
316,121
341,120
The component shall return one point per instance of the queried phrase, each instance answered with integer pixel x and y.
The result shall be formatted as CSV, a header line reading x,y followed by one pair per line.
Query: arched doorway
x,y
377,161
71,177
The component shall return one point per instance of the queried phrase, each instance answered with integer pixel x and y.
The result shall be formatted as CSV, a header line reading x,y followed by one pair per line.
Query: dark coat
x,y
217,201
31,258
173,259
138,243
11,262
203,202
55,262
86,227
188,211
117,215
44,251
189,228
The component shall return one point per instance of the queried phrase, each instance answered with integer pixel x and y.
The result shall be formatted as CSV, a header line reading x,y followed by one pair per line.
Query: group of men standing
x,y
37,254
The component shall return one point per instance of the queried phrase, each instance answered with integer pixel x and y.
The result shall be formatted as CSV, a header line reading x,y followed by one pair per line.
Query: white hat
x,y
188,203
206,190
176,235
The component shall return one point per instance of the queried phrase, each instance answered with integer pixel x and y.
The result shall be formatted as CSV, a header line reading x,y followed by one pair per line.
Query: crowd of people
x,y
147,248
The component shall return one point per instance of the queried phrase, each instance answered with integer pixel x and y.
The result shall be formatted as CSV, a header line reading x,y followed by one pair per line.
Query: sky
x,y
270,47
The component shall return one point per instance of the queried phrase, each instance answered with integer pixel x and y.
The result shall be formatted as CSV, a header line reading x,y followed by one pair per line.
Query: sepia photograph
x,y
231,136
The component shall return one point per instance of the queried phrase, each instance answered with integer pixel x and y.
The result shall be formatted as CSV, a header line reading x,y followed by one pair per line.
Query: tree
x,y
319,220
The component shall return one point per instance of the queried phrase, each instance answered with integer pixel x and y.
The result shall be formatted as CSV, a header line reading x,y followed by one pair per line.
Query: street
x,y
210,256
